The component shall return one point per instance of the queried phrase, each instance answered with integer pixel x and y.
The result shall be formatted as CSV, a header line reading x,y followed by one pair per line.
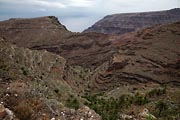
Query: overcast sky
x,y
77,15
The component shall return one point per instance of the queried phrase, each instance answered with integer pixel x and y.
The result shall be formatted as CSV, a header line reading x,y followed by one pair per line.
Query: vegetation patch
x,y
109,108
72,102
156,92
24,71
167,110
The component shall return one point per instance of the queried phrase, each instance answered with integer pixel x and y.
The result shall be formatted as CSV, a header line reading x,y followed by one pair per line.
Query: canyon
x,y
46,69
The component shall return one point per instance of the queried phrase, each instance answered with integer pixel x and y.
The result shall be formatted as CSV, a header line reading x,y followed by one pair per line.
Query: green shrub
x,y
125,101
25,72
107,108
161,106
167,110
3,67
156,92
148,118
72,103
140,99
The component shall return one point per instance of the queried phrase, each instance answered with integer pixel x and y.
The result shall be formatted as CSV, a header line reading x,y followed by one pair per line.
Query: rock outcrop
x,y
30,32
144,115
83,113
129,22
6,114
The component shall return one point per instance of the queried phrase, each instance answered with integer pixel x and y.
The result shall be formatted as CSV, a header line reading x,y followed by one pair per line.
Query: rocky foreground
x,y
48,72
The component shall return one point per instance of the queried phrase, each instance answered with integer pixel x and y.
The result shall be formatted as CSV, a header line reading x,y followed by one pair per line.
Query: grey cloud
x,y
79,14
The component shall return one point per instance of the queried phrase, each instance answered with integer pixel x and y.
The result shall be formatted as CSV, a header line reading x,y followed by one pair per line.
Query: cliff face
x,y
128,22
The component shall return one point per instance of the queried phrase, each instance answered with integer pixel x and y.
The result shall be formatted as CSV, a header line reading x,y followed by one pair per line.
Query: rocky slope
x,y
148,56
146,63
128,22
112,74
33,86
47,33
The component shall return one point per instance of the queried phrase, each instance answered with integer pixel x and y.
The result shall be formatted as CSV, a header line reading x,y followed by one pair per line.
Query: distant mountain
x,y
129,22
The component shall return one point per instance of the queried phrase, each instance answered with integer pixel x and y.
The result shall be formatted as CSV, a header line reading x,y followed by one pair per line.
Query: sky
x,y
78,15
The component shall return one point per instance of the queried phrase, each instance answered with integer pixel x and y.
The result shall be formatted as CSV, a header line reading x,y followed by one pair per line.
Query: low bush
x,y
140,99
23,111
72,102
156,92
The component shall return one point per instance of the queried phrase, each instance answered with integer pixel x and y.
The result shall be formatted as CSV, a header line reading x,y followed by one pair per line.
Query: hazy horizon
x,y
78,15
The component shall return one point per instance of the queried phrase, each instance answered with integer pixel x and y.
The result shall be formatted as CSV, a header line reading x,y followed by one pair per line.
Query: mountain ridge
x,y
129,22
47,33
